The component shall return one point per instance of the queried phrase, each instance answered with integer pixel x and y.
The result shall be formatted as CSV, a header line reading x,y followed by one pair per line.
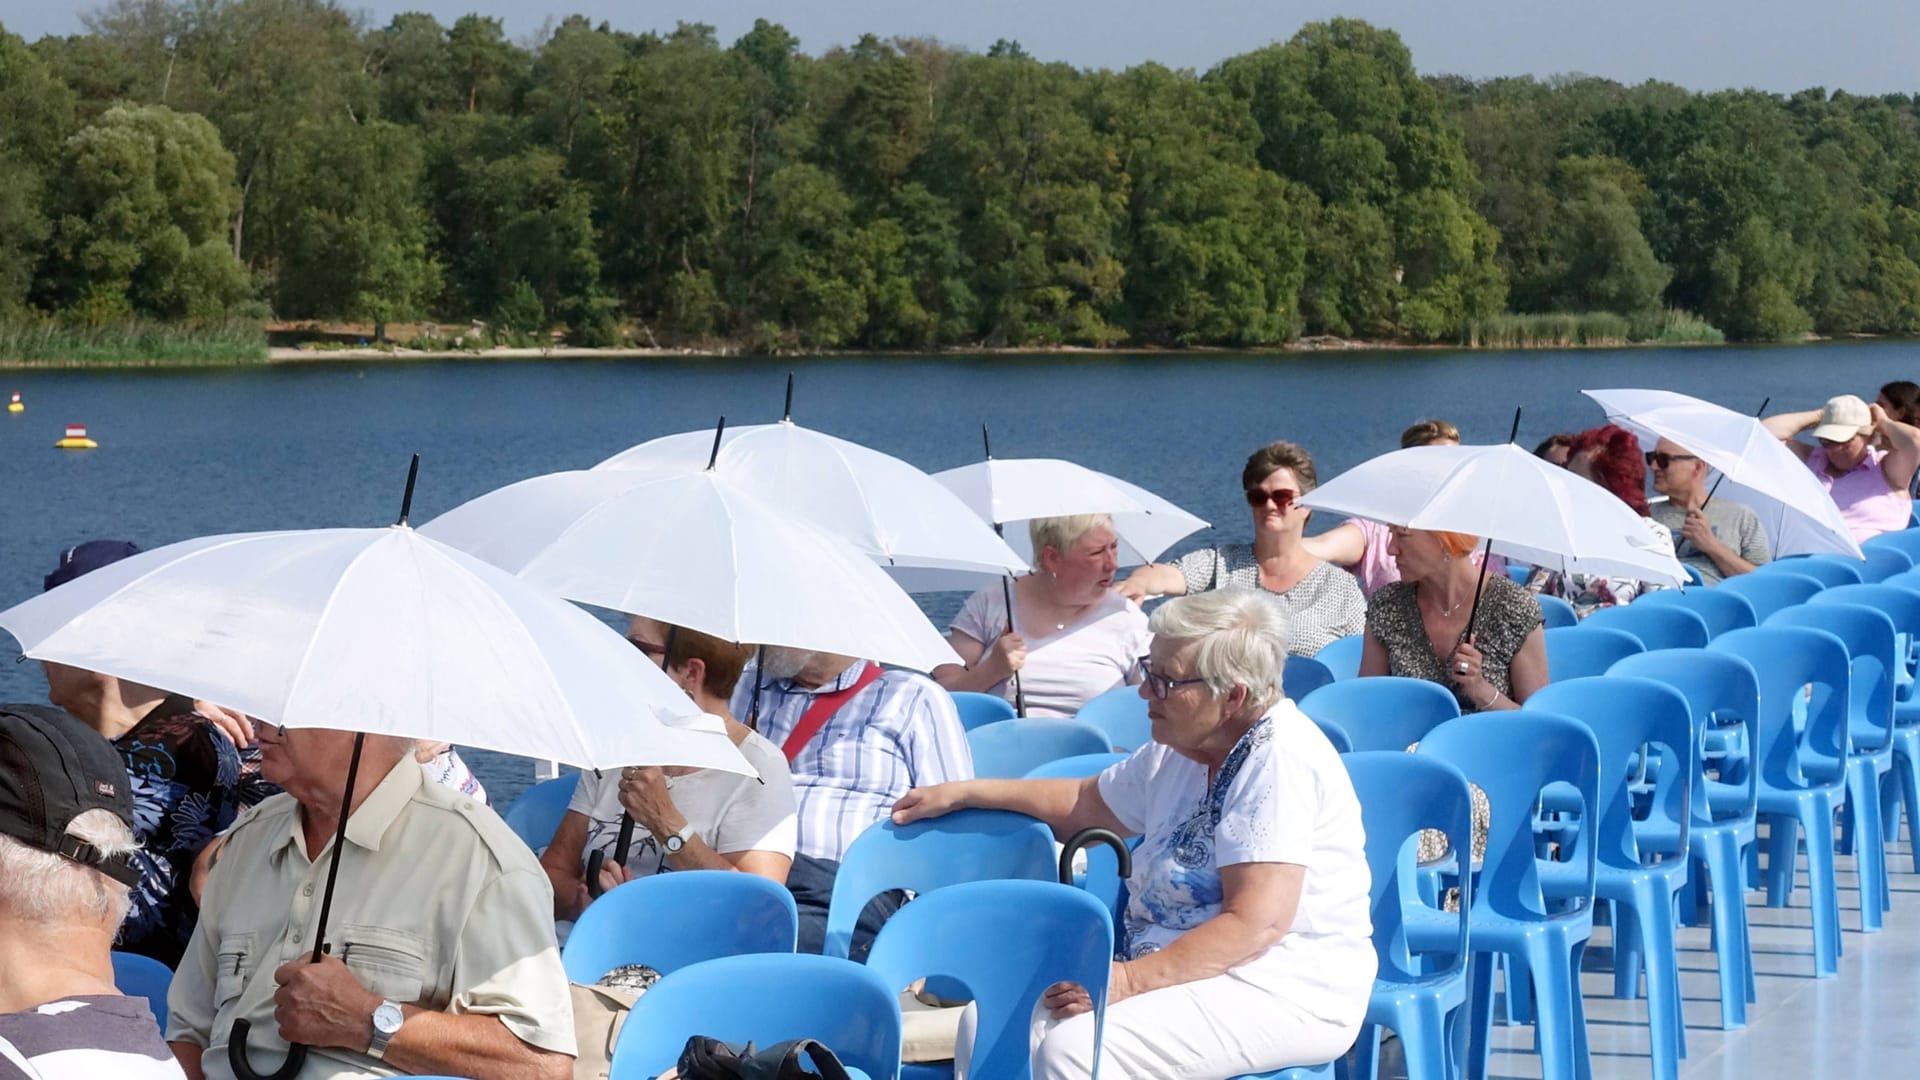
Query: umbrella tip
x,y
718,430
406,499
786,414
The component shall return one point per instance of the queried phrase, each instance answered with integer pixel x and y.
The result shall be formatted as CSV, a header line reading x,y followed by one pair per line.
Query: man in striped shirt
x,y
857,738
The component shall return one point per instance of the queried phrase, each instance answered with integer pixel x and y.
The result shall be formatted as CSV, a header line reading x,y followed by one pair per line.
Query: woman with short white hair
x,y
1070,637
1246,935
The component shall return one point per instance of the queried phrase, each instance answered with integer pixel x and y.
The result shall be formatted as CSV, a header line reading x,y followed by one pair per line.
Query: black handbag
x,y
710,1059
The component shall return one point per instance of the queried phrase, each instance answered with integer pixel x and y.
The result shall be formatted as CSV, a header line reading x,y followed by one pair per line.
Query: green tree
x,y
414,66
36,115
484,65
1595,257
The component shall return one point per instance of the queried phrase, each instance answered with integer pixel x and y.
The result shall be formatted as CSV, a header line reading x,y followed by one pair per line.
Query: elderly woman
x,y
684,819
1070,637
1246,934
1321,601
1610,457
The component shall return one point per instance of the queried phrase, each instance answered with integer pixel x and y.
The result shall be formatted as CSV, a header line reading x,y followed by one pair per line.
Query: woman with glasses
x,y
1610,457
1245,942
1321,601
684,819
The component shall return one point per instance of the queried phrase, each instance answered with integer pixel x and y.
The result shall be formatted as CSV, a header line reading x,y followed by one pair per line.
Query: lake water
x,y
187,453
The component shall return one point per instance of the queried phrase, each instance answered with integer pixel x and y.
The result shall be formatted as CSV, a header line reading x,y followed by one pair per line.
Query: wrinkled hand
x,y
644,794
1467,668
927,802
1010,652
1698,530
612,874
235,725
1064,999
424,750
323,1004
1132,588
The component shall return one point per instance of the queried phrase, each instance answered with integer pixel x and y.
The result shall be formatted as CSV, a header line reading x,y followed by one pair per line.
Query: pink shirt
x,y
1377,569
1868,503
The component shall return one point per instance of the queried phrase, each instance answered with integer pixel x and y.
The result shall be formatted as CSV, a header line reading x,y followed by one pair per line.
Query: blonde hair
x,y
1241,637
1428,432
44,887
1061,533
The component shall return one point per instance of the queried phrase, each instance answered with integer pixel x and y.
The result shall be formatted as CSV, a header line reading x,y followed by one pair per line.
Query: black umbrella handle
x,y
1086,838
599,857
237,1057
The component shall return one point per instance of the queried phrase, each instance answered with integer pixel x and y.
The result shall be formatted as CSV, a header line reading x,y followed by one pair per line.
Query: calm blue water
x,y
186,453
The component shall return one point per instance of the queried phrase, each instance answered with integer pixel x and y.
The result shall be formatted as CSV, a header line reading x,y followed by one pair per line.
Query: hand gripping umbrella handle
x,y
237,1057
599,857
1086,838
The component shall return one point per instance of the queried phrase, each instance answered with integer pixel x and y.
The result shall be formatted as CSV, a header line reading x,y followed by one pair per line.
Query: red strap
x,y
823,709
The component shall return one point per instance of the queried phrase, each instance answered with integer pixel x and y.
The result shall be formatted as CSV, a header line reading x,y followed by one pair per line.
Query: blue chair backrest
x,y
1720,688
1723,611
764,998
1400,795
1787,659
1905,579
1868,635
1303,676
1577,651
1121,714
1769,593
1656,627
673,920
1902,605
1006,942
1557,612
1906,541
536,814
978,710
1337,735
1826,569
967,845
1883,562
143,976
1012,748
1386,712
1513,756
1077,767
1102,880
1626,715
1341,656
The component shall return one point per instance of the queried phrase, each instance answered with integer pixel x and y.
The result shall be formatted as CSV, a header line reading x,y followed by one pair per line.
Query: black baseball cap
x,y
54,768
86,558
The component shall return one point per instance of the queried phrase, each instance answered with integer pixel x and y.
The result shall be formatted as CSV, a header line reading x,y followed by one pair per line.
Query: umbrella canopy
x,y
1003,490
381,631
1530,509
694,550
1760,472
884,507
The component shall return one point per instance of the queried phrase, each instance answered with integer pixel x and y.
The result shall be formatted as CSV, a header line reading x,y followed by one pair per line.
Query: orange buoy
x,y
76,439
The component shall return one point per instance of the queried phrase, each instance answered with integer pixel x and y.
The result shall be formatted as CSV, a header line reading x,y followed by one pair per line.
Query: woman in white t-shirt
x,y
684,819
1246,934
1071,638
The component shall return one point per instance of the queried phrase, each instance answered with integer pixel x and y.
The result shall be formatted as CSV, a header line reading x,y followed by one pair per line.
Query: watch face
x,y
673,844
387,1018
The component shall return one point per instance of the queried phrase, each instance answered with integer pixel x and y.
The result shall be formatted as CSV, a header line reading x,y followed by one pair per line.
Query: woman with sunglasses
x,y
1321,601
1246,939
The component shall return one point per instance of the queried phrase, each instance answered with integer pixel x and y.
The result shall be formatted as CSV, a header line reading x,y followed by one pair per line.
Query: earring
x,y
1446,556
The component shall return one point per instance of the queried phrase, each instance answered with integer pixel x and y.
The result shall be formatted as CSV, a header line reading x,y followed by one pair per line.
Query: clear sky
x,y
1865,46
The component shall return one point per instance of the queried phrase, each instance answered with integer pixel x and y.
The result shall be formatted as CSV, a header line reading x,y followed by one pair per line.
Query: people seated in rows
x,y
1246,935
1070,637
1719,538
66,871
683,819
1321,602
440,952
856,738
1864,457
1609,456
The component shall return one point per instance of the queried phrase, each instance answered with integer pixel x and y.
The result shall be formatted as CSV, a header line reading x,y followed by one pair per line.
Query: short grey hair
x,y
1241,637
1061,533
44,887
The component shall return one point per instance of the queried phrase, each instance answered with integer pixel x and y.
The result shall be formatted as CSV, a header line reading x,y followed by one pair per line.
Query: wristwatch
x,y
387,1019
678,841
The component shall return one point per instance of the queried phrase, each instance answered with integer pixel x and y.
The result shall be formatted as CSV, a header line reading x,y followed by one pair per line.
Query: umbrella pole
x,y
1006,587
1723,476
1486,552
786,414
296,1053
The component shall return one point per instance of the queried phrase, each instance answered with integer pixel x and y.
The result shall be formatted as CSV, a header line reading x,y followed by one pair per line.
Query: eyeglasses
x,y
1281,499
1159,685
1660,459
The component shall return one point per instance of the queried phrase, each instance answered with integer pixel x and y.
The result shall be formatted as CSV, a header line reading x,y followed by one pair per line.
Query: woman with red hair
x,y
1609,456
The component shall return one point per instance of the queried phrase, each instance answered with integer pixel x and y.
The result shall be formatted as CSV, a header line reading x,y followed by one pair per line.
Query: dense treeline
x,y
194,159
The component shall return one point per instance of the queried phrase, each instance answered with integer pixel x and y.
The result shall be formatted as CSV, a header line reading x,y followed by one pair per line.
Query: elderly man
x,y
441,955
1863,457
857,738
66,832
1720,539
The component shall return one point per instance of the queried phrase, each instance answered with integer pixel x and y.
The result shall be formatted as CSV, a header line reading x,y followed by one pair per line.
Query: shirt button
x,y
308,891
296,937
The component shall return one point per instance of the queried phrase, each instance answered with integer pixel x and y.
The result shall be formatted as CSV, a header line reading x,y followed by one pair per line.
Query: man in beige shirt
x,y
441,954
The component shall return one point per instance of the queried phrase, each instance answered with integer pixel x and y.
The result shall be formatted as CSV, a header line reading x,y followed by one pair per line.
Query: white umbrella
x,y
694,550
1004,490
886,508
1758,471
1530,509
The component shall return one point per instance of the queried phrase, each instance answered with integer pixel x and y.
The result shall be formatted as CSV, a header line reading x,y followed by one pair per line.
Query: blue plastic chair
x,y
1518,573
1772,592
1341,656
1882,563
1386,712
1513,757
1303,676
1556,611
1577,651
1656,626
1337,735
1006,942
1721,689
669,921
764,998
1869,637
1077,767
1905,579
1625,715
1121,713
967,845
1802,780
1400,795
143,976
1102,878
1826,569
1905,541
1723,611
1013,748
535,816
1902,605
979,710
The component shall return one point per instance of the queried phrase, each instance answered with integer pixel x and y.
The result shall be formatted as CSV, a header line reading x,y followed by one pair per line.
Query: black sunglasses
x,y
1660,459
1159,685
1280,499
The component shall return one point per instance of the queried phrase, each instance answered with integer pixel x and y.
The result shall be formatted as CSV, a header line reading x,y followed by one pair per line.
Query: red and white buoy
x,y
76,439
14,405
